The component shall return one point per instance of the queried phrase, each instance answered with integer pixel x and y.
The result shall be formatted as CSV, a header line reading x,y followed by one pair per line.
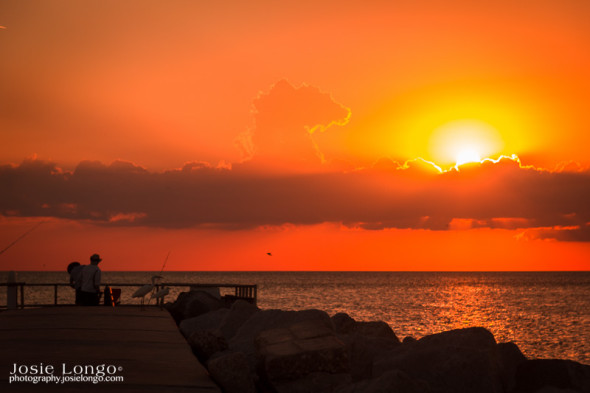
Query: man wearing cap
x,y
90,280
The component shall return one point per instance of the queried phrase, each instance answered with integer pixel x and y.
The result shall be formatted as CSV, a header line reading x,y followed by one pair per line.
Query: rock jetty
x,y
246,349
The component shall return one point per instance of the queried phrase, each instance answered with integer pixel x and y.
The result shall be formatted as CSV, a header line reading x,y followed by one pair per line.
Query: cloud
x,y
576,233
283,181
286,119
493,195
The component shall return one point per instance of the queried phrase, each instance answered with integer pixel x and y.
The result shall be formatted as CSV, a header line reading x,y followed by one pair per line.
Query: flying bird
x,y
269,254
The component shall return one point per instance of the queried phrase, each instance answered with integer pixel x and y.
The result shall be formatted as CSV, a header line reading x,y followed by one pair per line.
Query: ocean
x,y
547,314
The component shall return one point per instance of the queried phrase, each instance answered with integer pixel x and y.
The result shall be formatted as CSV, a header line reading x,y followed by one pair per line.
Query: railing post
x,y
55,295
22,295
11,291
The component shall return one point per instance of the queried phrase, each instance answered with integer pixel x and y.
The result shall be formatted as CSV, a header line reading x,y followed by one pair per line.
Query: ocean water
x,y
547,314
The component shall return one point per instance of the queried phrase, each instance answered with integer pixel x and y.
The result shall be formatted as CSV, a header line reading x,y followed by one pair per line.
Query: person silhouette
x,y
75,271
90,282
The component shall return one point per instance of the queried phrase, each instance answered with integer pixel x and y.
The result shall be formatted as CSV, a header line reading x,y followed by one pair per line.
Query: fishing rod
x,y
165,261
21,237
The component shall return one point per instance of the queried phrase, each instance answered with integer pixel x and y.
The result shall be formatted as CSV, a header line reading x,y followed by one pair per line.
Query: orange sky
x,y
324,132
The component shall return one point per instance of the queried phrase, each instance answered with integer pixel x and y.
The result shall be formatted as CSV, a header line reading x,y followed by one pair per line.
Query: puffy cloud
x,y
495,195
286,119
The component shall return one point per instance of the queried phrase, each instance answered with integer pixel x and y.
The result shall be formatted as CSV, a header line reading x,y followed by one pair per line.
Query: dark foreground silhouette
x,y
246,349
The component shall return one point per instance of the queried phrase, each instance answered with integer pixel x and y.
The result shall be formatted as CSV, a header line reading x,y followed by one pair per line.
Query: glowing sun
x,y
467,155
463,141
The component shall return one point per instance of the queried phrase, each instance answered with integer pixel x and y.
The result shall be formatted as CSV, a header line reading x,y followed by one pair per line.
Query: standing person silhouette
x,y
75,271
90,280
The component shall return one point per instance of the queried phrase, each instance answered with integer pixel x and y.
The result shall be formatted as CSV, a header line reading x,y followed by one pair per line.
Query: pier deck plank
x,y
145,343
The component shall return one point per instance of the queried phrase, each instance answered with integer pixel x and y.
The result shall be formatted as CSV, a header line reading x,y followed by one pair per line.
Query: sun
x,y
467,155
462,141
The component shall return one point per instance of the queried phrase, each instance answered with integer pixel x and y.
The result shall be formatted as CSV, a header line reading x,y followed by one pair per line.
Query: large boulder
x,y
213,291
510,357
231,372
391,381
538,374
300,349
376,329
409,340
205,343
209,321
243,340
238,314
192,304
365,341
457,361
344,324
473,337
363,350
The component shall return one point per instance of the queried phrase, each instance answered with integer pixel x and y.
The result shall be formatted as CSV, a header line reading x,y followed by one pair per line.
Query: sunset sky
x,y
335,135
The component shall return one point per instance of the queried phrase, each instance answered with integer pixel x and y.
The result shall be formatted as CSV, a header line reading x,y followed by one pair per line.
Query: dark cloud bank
x,y
502,195
414,195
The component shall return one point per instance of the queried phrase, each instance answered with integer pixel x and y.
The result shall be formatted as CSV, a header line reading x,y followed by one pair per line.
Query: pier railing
x,y
228,292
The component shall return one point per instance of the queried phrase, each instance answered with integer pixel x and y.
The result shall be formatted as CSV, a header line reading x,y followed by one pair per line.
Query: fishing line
x,y
21,237
165,261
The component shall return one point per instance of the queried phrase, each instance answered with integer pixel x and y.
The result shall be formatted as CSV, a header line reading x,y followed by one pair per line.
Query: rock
x,y
192,304
201,303
243,340
205,343
365,341
457,361
314,383
312,328
239,313
209,321
174,310
213,291
231,373
537,374
344,324
473,337
363,351
303,348
510,357
408,340
376,329
391,381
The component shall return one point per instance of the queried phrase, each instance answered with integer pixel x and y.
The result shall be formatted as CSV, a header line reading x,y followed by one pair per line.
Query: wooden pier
x,y
144,346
